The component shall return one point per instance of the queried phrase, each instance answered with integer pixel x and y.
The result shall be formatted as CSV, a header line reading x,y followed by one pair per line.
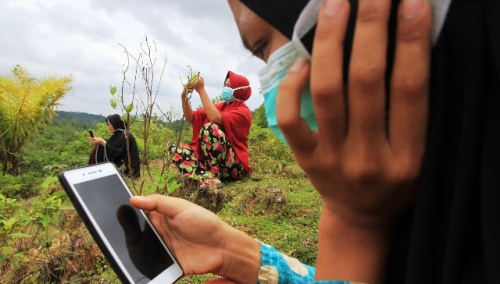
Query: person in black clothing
x,y
115,148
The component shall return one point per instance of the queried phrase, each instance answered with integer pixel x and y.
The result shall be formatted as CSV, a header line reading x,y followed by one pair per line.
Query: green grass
x,y
279,208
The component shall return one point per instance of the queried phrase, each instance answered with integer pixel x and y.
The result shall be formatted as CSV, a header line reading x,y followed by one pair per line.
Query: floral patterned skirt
x,y
219,160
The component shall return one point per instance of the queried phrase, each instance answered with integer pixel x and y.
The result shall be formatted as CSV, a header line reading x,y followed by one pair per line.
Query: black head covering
x,y
452,235
280,14
116,121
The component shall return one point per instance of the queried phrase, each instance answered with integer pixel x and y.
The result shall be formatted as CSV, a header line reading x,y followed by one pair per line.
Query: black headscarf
x,y
452,234
115,149
116,121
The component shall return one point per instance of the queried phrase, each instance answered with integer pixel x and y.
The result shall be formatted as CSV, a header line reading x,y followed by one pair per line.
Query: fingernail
x,y
332,7
138,198
412,8
297,65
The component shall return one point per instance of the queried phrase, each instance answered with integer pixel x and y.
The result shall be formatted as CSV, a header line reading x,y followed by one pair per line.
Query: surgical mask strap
x,y
243,87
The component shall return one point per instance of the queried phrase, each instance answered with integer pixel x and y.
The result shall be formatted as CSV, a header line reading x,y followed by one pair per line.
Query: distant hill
x,y
85,118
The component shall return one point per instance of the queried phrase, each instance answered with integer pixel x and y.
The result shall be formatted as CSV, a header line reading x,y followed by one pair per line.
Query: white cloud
x,y
82,38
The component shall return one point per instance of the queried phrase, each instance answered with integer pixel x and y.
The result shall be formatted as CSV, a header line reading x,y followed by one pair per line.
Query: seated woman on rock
x,y
219,147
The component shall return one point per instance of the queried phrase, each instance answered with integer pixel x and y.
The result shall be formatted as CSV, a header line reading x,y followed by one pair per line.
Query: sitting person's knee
x,y
209,125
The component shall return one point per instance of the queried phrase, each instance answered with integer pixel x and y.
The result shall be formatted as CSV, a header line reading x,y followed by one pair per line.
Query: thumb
x,y
165,205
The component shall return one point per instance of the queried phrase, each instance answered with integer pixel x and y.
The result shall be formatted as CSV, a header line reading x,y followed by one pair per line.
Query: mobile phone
x,y
91,133
126,237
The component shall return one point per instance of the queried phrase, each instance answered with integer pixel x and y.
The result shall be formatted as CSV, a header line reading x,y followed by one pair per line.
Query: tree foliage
x,y
26,105
259,116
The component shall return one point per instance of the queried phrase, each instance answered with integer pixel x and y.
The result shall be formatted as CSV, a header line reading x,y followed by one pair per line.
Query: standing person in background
x,y
219,147
115,148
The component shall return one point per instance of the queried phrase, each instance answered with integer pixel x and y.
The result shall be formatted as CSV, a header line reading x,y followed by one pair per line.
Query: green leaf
x,y
7,250
169,178
113,102
129,108
48,181
112,90
67,208
19,254
19,235
9,223
59,193
172,187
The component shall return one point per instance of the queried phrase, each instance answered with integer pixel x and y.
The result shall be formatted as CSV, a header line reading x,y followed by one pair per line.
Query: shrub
x,y
22,186
267,153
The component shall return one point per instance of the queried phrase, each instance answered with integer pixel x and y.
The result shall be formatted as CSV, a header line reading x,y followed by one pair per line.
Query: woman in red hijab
x,y
219,147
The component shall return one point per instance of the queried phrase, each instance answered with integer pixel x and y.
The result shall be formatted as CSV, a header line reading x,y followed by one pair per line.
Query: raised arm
x,y
186,106
212,112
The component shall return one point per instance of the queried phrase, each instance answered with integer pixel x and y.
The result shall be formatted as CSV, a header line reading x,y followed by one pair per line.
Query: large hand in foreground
x,y
200,241
366,155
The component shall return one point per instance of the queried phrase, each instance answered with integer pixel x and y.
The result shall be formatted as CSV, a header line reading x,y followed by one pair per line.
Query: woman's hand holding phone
x,y
201,241
97,140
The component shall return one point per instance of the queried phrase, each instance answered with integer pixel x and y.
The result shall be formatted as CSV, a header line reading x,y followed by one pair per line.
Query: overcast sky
x,y
82,37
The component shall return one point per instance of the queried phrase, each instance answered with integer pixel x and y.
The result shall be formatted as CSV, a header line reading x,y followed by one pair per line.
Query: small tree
x,y
259,116
26,105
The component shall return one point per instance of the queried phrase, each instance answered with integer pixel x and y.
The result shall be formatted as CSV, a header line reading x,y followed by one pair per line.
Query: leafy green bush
x,y
22,186
267,153
259,117
22,229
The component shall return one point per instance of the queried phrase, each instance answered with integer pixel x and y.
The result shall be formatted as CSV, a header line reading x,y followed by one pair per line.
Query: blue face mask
x,y
227,93
278,64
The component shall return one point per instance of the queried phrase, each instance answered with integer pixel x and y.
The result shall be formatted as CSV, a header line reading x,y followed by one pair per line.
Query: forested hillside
x,y
86,119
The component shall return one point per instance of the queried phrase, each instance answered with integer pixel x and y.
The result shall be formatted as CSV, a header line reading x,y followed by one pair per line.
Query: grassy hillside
x,y
43,240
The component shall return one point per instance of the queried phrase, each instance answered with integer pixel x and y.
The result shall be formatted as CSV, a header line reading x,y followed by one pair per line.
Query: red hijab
x,y
236,120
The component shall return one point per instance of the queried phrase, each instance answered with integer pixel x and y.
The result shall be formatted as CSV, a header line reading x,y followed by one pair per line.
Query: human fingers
x,y
326,71
166,205
295,129
410,79
367,69
200,84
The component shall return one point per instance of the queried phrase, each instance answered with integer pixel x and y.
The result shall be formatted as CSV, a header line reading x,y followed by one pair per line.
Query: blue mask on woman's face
x,y
227,93
278,64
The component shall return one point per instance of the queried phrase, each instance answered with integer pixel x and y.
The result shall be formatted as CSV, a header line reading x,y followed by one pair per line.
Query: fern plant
x,y
26,105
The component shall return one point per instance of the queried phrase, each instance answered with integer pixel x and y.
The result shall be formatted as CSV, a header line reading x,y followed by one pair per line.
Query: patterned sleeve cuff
x,y
334,282
277,268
